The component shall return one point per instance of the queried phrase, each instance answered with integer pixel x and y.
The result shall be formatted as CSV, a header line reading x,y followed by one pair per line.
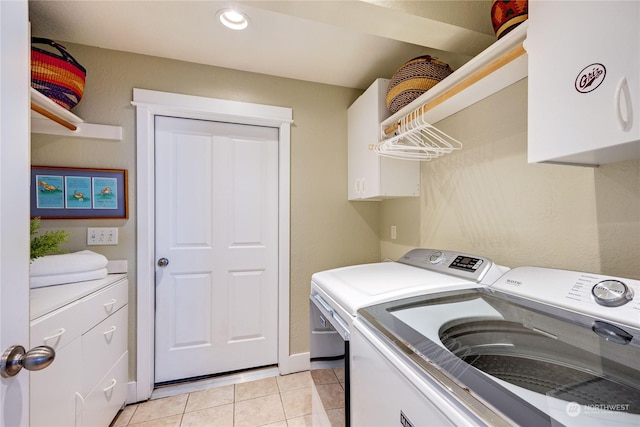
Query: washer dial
x,y
436,257
611,293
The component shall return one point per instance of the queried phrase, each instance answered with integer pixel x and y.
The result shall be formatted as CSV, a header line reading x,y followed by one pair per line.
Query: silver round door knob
x,y
15,358
163,262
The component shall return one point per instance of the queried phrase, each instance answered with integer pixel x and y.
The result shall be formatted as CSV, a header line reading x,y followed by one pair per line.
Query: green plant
x,y
48,242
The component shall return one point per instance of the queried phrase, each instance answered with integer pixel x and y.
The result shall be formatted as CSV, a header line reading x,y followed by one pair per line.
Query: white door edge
x,y
14,204
149,104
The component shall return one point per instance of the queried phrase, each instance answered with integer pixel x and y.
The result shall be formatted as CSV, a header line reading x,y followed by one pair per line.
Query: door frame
x,y
148,104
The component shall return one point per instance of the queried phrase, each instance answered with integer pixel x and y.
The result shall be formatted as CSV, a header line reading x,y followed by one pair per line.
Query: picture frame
x,y
78,193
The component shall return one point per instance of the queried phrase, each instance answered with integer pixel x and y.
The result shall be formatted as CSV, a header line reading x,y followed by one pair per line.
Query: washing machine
x,y
539,347
337,294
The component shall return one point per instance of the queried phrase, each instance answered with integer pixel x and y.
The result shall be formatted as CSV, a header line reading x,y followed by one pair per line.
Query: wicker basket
x,y
508,14
58,76
413,79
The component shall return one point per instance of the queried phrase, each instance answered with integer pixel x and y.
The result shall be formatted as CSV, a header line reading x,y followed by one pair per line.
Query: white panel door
x,y
14,203
217,225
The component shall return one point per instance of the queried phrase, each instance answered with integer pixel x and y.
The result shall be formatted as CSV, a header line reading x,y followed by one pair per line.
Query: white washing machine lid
x,y
358,286
420,271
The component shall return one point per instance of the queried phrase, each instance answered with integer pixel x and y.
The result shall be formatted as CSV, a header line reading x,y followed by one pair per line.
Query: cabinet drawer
x,y
102,346
103,304
106,399
58,328
53,390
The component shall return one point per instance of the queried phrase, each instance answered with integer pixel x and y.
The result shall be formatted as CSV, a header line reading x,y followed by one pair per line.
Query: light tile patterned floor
x,y
307,398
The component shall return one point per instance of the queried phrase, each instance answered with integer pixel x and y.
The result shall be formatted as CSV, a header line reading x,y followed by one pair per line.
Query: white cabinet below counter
x,y
86,324
372,177
584,81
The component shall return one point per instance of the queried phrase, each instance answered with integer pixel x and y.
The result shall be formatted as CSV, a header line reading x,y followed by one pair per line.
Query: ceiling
x,y
346,43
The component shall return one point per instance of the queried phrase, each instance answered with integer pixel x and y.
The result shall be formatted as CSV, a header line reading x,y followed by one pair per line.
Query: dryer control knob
x,y
436,257
611,293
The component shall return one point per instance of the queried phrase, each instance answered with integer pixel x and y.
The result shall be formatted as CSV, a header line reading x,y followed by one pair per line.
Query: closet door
x,y
217,229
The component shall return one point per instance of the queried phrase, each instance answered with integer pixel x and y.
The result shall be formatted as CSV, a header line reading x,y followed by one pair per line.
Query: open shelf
x,y
410,134
500,65
49,118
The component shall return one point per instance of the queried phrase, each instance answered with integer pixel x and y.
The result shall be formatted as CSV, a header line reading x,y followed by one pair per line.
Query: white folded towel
x,y
64,278
75,262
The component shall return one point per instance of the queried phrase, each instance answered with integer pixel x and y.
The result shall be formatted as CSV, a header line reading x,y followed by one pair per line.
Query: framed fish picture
x,y
78,193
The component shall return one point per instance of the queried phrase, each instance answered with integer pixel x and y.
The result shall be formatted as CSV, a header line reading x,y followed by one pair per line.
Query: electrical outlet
x,y
102,236
393,232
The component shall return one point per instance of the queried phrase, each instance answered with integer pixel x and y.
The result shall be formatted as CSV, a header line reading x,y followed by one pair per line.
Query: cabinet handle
x,y
111,386
110,331
109,305
623,95
56,335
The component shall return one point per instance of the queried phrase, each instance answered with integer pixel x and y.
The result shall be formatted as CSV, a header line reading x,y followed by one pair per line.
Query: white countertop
x,y
50,298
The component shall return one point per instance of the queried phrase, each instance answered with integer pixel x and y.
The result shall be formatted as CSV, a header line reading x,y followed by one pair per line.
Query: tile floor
x,y
310,398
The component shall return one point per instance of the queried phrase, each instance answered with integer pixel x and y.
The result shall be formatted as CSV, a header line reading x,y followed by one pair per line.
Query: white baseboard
x,y
132,392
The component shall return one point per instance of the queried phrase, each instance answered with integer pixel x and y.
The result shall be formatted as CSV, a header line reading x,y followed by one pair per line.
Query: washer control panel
x,y
453,263
611,298
466,263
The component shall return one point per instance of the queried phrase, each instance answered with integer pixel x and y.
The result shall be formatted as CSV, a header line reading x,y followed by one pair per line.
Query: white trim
x,y
132,391
296,363
149,104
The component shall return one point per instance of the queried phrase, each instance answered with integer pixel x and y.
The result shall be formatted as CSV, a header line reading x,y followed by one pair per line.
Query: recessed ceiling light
x,y
233,19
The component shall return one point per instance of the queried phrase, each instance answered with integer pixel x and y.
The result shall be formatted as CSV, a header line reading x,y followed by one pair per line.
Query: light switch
x,y
102,236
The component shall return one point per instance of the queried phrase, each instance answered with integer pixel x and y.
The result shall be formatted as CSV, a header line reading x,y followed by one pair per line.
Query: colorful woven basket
x,y
508,14
58,76
413,79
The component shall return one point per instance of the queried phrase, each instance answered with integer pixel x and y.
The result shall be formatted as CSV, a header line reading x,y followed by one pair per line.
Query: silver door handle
x,y
163,262
15,358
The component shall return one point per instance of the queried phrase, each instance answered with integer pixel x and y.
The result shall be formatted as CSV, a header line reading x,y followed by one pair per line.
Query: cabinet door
x,y
53,390
363,129
372,177
584,81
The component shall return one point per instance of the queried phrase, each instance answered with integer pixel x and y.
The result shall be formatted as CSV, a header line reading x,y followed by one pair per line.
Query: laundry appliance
x,y
337,294
538,347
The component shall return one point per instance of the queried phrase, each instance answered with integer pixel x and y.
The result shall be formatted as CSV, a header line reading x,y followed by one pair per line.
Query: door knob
x,y
163,262
15,358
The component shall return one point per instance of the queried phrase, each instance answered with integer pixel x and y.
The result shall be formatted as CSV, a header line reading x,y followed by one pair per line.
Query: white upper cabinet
x,y
372,177
584,81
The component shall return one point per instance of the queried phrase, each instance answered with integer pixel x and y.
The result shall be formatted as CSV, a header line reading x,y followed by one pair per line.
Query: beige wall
x,y
404,214
326,230
487,200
